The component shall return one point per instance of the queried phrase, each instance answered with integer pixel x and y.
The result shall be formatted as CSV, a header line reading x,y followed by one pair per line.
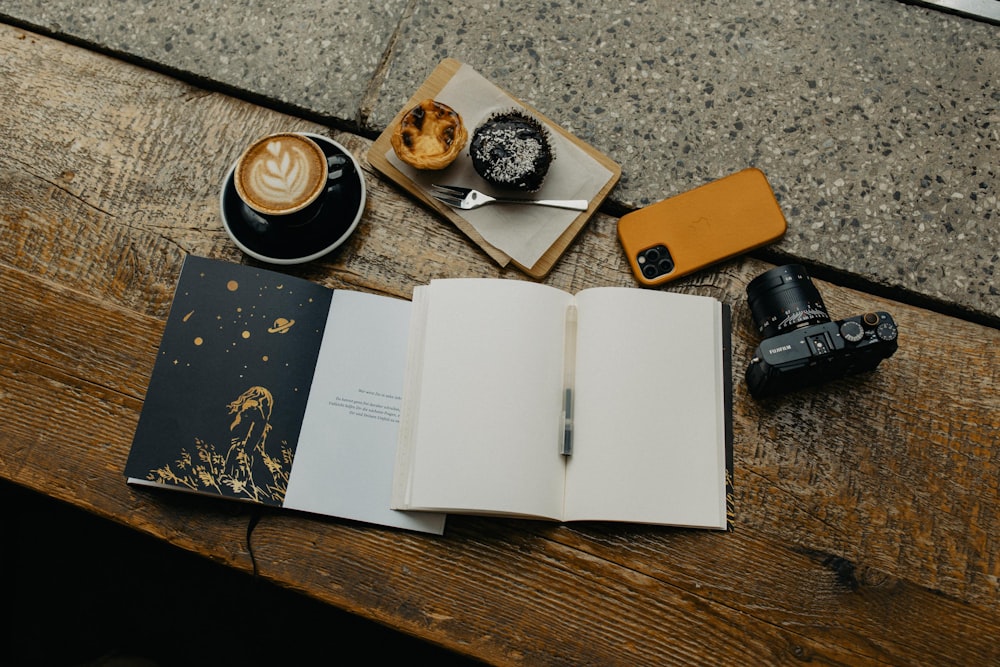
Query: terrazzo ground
x,y
876,121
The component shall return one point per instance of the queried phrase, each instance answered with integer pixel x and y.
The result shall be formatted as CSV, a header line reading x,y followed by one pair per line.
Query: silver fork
x,y
468,199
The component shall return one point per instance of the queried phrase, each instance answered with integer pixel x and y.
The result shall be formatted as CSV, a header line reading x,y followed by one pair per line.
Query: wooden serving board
x,y
437,80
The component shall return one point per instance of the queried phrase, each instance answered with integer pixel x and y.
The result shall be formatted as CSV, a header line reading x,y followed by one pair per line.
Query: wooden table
x,y
867,510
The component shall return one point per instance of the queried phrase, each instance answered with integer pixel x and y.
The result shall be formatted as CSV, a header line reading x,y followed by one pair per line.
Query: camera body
x,y
821,352
803,347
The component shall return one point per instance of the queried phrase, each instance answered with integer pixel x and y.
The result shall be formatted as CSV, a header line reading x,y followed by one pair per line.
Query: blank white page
x,y
487,424
344,462
649,438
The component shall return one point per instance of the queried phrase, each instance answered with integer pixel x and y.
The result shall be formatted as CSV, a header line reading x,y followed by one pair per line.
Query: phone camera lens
x,y
655,261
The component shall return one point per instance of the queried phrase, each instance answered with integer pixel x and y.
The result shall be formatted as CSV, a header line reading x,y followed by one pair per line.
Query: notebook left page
x,y
344,461
482,420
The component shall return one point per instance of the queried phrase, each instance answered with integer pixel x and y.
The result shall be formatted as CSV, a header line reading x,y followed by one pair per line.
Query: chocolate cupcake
x,y
512,150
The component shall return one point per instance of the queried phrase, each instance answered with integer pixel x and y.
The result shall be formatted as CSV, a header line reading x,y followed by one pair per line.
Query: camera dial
x,y
852,331
886,331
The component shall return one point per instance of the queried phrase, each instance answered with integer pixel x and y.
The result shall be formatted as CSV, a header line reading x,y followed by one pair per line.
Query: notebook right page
x,y
649,428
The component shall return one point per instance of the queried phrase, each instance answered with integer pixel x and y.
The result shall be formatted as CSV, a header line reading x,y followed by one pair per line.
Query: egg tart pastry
x,y
429,136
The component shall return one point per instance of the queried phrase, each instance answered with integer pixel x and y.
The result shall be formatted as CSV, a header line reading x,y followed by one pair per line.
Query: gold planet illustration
x,y
281,325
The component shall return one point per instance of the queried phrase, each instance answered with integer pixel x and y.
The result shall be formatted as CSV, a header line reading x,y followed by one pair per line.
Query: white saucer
x,y
268,240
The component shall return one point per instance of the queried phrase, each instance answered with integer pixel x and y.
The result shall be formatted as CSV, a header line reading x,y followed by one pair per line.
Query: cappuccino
x,y
281,174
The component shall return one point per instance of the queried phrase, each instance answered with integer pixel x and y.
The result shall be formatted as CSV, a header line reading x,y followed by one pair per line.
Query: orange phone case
x,y
703,226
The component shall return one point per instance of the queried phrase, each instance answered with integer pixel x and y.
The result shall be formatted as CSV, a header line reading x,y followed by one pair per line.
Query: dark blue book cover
x,y
229,388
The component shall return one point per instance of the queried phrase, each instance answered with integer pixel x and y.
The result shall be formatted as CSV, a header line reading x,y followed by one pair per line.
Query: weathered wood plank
x,y
658,574
675,598
769,597
72,375
867,510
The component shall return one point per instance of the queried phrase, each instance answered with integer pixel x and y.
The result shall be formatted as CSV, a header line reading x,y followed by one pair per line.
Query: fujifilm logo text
x,y
776,350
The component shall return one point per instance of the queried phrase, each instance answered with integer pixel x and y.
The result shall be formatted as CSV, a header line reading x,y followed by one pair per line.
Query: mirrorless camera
x,y
801,345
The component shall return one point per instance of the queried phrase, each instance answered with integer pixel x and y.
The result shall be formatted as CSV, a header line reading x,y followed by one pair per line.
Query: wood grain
x,y
867,510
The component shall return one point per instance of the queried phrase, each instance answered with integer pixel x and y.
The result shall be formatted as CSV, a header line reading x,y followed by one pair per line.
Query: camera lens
x,y
655,261
784,299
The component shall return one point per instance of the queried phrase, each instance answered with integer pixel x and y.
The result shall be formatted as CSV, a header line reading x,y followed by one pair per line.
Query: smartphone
x,y
713,222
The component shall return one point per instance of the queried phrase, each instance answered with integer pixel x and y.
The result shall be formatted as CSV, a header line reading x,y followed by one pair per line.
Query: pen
x,y
567,444
569,366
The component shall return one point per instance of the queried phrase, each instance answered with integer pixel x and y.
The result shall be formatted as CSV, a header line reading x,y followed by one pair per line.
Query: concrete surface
x,y
876,121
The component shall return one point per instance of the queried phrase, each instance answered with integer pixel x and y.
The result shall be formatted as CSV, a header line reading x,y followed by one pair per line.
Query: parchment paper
x,y
523,232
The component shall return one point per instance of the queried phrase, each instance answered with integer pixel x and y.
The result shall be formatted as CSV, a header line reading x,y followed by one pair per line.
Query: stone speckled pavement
x,y
877,122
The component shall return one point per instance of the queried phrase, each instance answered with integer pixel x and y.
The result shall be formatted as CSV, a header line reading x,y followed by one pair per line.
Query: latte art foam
x,y
281,174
